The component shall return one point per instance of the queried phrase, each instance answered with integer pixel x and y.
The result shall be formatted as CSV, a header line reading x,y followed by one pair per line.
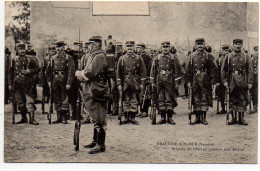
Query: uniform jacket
x,y
239,72
62,67
255,67
131,72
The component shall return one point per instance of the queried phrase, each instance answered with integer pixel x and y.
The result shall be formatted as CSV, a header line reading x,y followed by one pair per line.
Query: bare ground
x,y
145,143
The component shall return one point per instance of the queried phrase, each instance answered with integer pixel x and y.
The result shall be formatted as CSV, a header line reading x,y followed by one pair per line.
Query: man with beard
x,y
237,75
61,73
145,101
165,69
95,92
21,80
201,74
254,90
220,90
131,76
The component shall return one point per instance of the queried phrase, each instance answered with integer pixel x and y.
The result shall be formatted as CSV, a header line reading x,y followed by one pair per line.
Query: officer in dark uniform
x,y
237,74
146,99
76,52
21,80
112,61
165,69
201,71
62,77
131,76
220,90
254,90
95,92
45,63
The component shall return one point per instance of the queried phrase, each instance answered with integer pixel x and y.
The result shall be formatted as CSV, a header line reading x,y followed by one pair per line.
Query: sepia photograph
x,y
130,82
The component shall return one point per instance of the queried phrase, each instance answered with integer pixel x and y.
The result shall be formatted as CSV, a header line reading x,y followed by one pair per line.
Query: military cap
x,y
118,44
78,43
52,46
208,49
60,43
225,47
130,43
166,43
255,48
20,45
237,41
87,43
200,40
141,45
109,37
96,39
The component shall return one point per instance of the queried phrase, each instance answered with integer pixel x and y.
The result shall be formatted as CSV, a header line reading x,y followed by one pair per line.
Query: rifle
x,y
250,101
43,99
153,105
120,107
190,90
78,110
13,113
228,93
51,89
144,97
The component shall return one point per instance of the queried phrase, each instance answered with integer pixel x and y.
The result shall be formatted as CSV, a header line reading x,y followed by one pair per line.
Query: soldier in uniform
x,y
76,53
95,92
61,73
22,81
145,101
43,78
220,90
237,74
165,69
254,90
131,76
201,71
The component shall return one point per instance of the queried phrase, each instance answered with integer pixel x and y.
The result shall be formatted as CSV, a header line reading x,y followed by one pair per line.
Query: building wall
x,y
176,22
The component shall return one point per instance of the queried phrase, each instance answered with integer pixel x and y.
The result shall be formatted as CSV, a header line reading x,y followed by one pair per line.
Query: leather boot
x,y
241,120
126,120
32,120
169,117
133,121
100,145
234,119
197,120
204,122
64,117
24,118
94,141
58,118
163,118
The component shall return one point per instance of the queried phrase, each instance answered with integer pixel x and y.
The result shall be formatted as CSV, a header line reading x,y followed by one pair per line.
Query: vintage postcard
x,y
131,82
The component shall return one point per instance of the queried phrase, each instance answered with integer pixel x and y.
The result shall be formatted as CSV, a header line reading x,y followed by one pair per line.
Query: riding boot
x,y
64,116
163,118
100,145
94,141
24,118
241,120
126,120
32,120
233,120
133,121
58,118
204,118
169,117
197,120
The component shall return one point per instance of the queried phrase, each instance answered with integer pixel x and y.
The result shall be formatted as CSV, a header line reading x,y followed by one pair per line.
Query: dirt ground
x,y
145,143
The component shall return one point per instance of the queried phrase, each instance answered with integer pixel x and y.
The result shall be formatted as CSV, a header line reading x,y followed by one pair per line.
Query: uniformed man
x,y
254,90
146,99
165,69
45,62
237,75
184,65
201,74
95,92
61,73
22,81
220,90
76,52
131,76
